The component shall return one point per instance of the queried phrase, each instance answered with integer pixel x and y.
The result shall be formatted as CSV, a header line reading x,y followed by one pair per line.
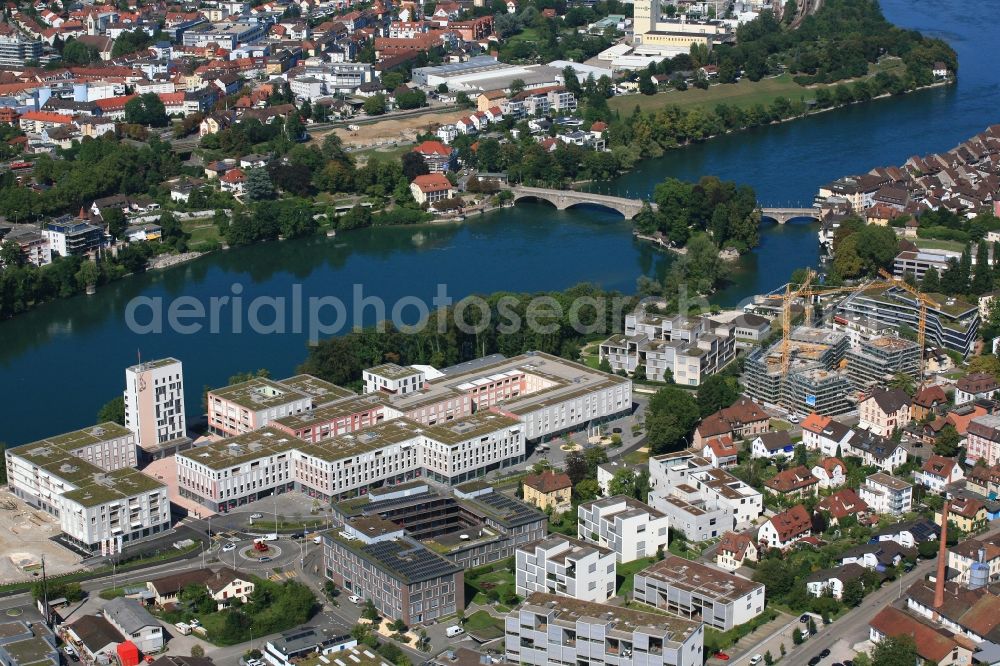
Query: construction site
x,y
830,369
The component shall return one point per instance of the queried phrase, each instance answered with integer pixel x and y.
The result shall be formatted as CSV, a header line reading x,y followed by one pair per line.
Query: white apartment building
x,y
100,509
886,494
232,472
691,589
154,402
393,379
630,528
567,567
548,629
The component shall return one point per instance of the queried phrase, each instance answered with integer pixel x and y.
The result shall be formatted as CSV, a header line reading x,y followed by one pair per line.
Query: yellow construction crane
x,y
805,291
786,317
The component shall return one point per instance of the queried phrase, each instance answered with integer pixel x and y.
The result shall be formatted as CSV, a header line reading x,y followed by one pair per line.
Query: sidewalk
x,y
768,637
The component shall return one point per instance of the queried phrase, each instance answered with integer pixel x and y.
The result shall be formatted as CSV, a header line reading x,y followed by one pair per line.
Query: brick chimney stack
x,y
942,564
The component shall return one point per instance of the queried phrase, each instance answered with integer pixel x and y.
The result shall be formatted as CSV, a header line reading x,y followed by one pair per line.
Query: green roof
x,y
333,411
374,438
470,427
393,371
77,439
242,448
33,651
258,393
119,484
320,390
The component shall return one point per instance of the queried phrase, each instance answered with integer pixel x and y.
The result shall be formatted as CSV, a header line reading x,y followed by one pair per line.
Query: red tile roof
x,y
843,503
234,176
939,466
791,523
932,643
734,543
45,117
791,480
432,182
548,481
433,148
815,423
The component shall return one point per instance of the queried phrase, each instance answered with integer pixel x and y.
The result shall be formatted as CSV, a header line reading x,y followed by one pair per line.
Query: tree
x,y
768,658
370,612
517,86
78,53
853,594
414,165
646,85
931,284
671,416
895,651
576,467
146,109
115,219
197,650
374,105
948,442
587,490
797,637
113,410
258,185
714,393
982,279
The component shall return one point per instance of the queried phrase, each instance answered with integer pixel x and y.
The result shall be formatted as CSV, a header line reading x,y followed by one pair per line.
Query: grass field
x,y
744,94
625,573
201,230
932,244
389,154
484,625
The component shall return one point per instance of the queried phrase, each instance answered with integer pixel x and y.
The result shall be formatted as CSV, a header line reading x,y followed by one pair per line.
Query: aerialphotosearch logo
x,y
322,316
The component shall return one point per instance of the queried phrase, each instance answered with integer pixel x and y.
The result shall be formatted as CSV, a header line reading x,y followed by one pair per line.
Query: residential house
x,y
843,503
772,445
431,188
878,556
94,637
983,440
627,526
831,472
926,401
886,494
963,555
832,581
878,451
935,646
233,181
975,386
937,472
884,411
909,534
225,585
968,513
722,451
135,623
741,420
795,482
548,490
984,480
734,549
565,566
829,437
784,529
438,157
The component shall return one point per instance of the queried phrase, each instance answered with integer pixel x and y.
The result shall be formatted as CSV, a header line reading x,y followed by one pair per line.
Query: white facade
x,y
886,494
630,528
567,567
154,402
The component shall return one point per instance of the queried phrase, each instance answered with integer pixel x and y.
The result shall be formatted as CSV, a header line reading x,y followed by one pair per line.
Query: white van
x,y
454,630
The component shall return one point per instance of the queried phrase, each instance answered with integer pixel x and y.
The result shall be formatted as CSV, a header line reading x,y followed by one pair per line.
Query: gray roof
x,y
129,615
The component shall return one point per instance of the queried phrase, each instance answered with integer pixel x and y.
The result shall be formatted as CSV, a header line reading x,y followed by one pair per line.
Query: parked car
x,y
317,539
756,659
824,654
804,618
815,660
354,599
721,655
454,630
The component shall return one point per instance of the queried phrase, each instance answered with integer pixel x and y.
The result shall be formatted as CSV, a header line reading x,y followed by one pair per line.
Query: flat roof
x,y
119,484
243,448
470,427
322,391
393,371
77,439
700,579
331,411
258,393
405,558
153,365
387,433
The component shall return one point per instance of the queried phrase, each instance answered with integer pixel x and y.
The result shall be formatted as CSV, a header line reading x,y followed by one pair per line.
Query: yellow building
x,y
967,513
548,489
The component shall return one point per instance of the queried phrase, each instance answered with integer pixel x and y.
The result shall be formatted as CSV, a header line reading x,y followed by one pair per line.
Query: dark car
x,y
264,559
804,618
616,431
824,654
815,660
298,535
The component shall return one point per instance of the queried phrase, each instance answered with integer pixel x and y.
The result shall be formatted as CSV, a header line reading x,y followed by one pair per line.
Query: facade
x,y
784,529
154,403
86,479
548,490
372,558
983,440
431,188
937,472
565,566
549,629
744,419
70,237
699,592
831,472
832,581
886,494
735,549
794,482
968,513
438,157
630,528
135,623
975,386
876,361
250,405
686,349
952,324
884,411
15,51
772,445
877,451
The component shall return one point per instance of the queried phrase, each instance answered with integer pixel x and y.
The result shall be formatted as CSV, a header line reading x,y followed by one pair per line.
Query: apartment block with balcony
x,y
886,494
549,629
699,593
632,529
565,566
154,403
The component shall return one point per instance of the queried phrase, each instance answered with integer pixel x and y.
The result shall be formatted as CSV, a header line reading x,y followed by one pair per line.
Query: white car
x,y
756,659
794,418
354,599
256,516
229,547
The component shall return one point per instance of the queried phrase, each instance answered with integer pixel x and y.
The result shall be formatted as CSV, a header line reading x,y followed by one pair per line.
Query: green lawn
x,y
484,625
744,94
625,573
386,153
933,244
636,457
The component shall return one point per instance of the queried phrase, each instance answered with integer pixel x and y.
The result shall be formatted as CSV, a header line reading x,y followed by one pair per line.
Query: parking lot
x,y
25,537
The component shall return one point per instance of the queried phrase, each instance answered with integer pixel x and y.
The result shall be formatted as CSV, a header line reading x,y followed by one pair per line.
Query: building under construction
x,y
815,380
877,361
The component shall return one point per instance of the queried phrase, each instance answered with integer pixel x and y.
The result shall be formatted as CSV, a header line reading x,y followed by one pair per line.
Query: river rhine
x,y
61,362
